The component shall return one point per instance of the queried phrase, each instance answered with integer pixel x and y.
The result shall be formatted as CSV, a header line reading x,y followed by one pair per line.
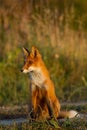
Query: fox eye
x,y
30,62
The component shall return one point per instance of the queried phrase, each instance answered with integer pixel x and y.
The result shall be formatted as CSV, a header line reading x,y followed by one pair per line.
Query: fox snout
x,y
24,70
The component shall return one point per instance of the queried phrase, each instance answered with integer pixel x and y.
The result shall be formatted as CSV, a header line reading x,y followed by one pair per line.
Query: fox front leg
x,y
49,104
32,100
50,107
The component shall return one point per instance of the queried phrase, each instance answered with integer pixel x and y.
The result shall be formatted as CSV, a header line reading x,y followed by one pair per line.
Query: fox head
x,y
31,60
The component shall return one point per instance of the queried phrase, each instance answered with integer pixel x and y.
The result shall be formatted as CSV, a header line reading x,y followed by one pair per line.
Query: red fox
x,y
43,103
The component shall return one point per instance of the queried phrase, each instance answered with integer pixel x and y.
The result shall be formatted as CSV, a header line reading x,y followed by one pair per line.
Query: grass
x,y
61,124
76,124
64,55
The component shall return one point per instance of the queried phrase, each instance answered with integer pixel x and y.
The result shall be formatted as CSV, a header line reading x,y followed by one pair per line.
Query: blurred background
x,y
59,30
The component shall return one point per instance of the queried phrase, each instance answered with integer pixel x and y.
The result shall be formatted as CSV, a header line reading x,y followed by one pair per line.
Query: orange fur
x,y
44,103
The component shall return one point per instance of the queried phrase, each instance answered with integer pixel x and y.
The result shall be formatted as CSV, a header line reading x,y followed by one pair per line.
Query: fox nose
x,y
21,70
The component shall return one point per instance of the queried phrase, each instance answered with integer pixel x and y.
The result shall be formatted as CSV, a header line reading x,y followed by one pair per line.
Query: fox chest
x,y
37,78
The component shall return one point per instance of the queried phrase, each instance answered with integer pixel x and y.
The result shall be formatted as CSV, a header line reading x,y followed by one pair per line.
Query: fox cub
x,y
43,101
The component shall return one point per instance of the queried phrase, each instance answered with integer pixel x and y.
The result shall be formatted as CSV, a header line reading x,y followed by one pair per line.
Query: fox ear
x,y
34,52
26,52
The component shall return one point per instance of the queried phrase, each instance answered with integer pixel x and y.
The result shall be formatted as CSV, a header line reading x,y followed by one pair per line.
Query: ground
x,y
18,114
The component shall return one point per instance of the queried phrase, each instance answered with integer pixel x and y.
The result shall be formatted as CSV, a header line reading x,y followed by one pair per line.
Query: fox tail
x,y
68,114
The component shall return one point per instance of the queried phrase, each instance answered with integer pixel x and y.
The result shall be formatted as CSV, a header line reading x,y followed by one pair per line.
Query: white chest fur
x,y
37,77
